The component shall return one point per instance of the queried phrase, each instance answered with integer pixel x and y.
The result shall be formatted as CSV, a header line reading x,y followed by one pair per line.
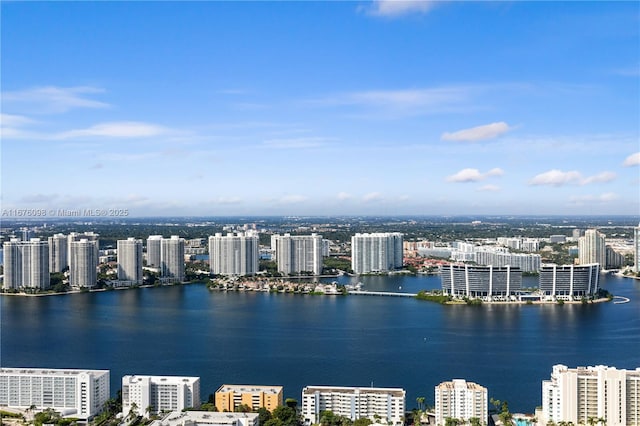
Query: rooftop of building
x,y
460,383
159,379
350,389
250,389
49,371
194,418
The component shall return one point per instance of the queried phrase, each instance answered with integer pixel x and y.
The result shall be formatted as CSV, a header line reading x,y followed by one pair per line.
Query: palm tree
x,y
602,420
420,401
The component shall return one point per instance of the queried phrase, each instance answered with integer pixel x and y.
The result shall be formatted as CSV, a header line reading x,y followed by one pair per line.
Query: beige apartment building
x,y
228,397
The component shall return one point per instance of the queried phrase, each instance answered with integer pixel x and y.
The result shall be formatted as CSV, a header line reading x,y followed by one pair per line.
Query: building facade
x,y
378,252
58,253
83,263
462,400
583,394
298,253
228,397
234,254
73,393
636,249
172,258
130,260
354,403
26,264
592,248
483,282
526,262
154,243
569,281
145,395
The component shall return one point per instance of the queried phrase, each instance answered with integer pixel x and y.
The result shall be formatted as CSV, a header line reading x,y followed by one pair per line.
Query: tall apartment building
x,y
526,262
58,253
354,403
234,254
569,281
146,395
378,252
154,243
83,263
580,394
462,400
26,264
298,253
484,282
172,258
130,260
592,248
228,397
636,249
73,393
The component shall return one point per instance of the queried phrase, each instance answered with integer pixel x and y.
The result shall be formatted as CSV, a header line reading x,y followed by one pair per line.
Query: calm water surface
x,y
297,340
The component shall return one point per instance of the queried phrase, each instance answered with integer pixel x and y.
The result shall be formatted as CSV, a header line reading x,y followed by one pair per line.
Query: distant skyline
x,y
322,108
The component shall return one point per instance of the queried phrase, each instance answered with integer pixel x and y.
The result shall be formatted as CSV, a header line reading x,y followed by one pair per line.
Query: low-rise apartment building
x,y
228,397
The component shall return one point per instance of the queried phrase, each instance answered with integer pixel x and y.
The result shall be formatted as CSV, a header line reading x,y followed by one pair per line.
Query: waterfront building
x,y
581,395
77,236
485,282
26,264
154,243
592,248
298,253
526,262
558,239
207,418
354,403
577,233
462,400
378,252
83,263
58,253
146,395
72,393
172,258
229,397
130,260
614,260
569,281
234,254
636,249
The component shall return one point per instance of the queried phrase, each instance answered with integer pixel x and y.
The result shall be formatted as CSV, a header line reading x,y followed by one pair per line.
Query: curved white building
x,y
569,281
483,282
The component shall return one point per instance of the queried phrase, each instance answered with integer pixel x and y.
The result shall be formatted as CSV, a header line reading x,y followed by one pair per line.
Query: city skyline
x,y
305,108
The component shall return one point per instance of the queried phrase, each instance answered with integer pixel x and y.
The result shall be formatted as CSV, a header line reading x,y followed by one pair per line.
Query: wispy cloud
x,y
342,196
52,99
633,71
489,188
479,133
296,143
405,102
632,160
227,200
122,129
602,198
559,178
371,197
473,175
395,8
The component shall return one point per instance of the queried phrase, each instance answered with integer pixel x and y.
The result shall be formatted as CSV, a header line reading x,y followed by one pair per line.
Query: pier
x,y
381,293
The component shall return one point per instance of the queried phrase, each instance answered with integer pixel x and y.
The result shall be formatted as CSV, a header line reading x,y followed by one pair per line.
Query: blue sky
x,y
322,108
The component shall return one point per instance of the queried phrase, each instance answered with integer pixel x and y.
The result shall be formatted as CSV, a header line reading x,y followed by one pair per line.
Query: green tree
x,y
450,421
362,421
475,421
291,402
420,401
242,408
263,415
274,422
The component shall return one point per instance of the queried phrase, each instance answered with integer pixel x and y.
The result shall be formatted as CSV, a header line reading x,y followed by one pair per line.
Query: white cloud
x,y
632,160
489,188
372,196
479,133
292,199
473,175
394,8
599,178
558,178
12,120
344,196
52,99
227,200
121,129
39,198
